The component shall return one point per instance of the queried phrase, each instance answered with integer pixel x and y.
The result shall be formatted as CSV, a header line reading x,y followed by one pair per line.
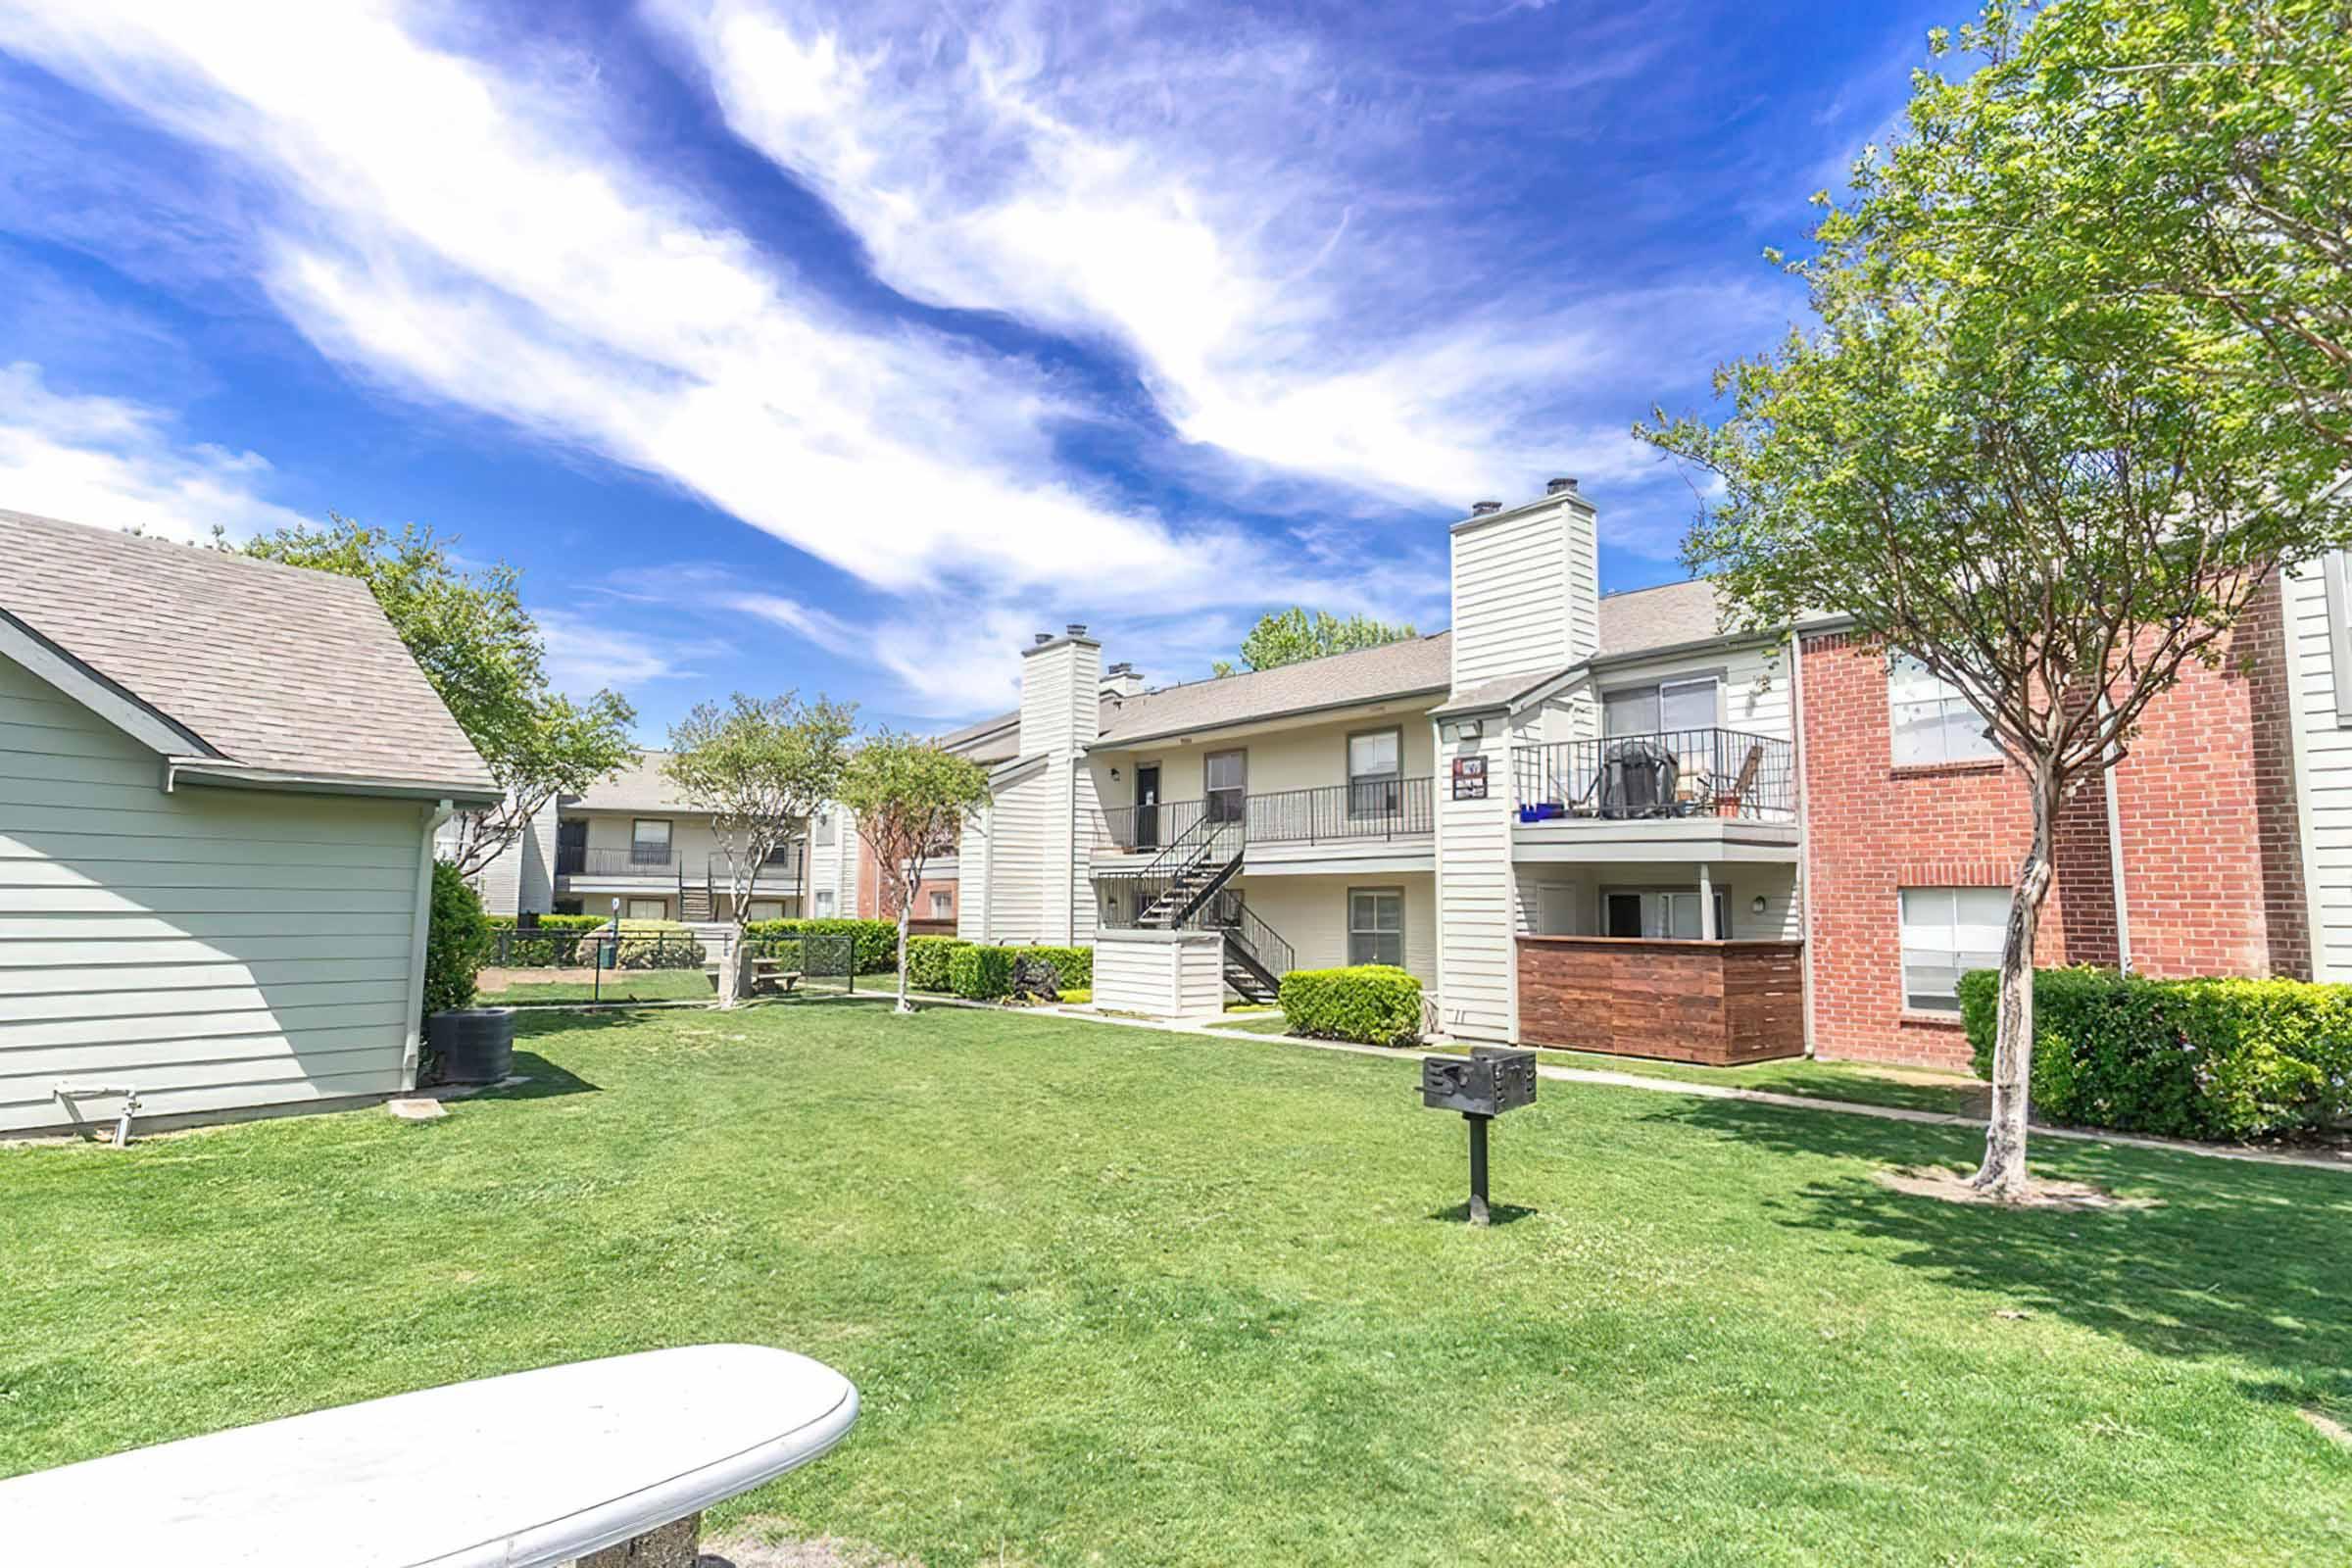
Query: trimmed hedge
x,y
524,950
1372,1003
1074,966
456,941
2216,1059
927,961
873,943
980,974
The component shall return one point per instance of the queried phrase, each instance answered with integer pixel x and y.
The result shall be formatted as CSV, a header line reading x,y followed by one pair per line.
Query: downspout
x,y
1070,859
2115,872
1805,821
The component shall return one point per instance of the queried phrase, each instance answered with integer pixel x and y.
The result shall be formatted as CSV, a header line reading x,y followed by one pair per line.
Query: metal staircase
x,y
1256,958
1191,870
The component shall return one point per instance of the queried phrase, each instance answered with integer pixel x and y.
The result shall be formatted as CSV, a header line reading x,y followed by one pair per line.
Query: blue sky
x,y
839,348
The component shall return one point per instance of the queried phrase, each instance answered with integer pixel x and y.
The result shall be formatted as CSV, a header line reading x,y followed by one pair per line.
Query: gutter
x,y
226,774
1120,743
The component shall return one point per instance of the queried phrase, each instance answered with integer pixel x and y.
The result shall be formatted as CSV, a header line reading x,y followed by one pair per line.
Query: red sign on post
x,y
1469,778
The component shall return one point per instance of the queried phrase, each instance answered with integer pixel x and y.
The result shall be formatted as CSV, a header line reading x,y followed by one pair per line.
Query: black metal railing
x,y
1688,772
632,947
1332,813
1145,829
1366,808
638,859
781,870
1229,913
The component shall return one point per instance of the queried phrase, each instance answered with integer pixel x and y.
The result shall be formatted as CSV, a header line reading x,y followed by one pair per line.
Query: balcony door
x,y
1669,707
572,847
1664,914
1147,805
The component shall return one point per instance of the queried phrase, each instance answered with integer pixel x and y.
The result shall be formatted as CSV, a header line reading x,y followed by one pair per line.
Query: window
x,y
1662,913
781,853
942,906
763,909
649,842
1228,774
566,907
646,909
824,902
1376,925
1376,773
1946,932
1667,708
1932,722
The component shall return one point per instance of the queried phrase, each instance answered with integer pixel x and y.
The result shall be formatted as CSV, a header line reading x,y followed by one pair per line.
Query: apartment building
x,y
1606,822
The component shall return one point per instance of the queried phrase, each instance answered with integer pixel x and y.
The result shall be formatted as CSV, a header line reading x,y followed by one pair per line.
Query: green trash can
x,y
608,952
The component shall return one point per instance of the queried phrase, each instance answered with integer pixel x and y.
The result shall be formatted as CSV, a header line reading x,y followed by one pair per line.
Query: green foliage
x,y
456,941
644,944
1292,635
482,653
763,767
873,943
1074,966
910,799
2214,1058
979,973
1372,1003
927,961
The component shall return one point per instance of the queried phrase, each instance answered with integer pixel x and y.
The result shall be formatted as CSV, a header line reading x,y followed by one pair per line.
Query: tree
x,y
762,766
2055,499
2196,150
910,799
483,654
1289,636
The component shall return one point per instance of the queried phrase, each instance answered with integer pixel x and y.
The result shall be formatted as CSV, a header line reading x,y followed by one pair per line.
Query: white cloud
x,y
119,465
585,655
467,234
1243,213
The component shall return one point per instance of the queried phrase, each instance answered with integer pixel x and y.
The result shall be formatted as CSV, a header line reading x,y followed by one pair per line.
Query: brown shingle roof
x,y
272,666
1396,670
641,788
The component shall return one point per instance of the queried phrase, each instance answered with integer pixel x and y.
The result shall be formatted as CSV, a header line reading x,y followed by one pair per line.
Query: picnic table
x,y
529,1469
765,975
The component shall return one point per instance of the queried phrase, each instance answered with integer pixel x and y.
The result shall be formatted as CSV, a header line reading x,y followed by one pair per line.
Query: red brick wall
x,y
2210,846
874,901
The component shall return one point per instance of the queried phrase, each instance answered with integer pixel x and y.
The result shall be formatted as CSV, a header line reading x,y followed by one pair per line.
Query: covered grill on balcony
x,y
1720,773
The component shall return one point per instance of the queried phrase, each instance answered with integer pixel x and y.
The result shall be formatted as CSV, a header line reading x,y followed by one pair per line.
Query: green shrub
x,y
645,946
457,942
927,961
2213,1059
560,943
1074,966
1374,1003
980,974
873,943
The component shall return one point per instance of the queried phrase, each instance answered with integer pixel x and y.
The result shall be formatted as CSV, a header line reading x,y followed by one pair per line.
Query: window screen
x,y
1932,722
1947,932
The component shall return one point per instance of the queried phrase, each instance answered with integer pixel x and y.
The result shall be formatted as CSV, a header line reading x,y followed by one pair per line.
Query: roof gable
x,y
274,667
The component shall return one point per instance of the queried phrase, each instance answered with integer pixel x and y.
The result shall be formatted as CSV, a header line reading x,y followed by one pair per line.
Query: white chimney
x,y
1062,677
1526,587
1122,681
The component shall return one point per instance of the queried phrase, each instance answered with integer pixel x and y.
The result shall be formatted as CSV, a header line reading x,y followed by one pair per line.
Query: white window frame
x,y
634,909
640,843
1947,729
825,904
1375,934
1943,933
1660,905
1655,693
942,905
1380,793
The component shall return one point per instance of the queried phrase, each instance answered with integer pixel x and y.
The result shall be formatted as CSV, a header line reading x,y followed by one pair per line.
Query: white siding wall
x,y
1476,897
1752,696
1526,592
1017,863
523,875
1740,883
214,949
2324,764
1160,975
1312,755
1310,913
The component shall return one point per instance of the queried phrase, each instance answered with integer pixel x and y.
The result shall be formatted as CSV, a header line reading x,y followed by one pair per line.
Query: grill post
x,y
1478,1165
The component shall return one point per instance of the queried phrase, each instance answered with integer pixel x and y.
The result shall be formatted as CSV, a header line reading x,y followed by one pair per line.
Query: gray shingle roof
x,y
1663,616
642,788
1421,664
271,666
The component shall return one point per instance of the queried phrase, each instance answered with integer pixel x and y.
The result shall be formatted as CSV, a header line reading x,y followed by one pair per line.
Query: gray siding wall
x,y
2324,769
216,950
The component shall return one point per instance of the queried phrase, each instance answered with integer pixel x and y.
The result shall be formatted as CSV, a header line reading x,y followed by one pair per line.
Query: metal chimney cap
x,y
1045,636
1076,628
1562,483
1481,509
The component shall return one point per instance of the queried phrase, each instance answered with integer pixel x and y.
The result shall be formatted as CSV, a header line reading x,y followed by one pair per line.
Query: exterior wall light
x,y
1757,904
1469,729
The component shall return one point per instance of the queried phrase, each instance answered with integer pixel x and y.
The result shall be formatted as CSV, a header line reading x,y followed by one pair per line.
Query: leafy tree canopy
x,y
482,652
2011,455
762,766
910,799
1289,636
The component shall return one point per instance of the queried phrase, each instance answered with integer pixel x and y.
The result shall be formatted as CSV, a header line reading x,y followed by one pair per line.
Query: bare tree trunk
x,y
2003,1173
905,907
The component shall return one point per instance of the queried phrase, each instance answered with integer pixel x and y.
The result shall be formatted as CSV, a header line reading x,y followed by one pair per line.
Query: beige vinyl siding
x,y
1310,913
2324,764
1017,861
216,950
523,875
1477,957
1753,694
1740,883
1526,593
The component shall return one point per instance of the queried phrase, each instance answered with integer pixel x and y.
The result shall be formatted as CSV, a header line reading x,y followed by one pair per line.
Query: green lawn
x,y
1860,1082
615,985
1121,1296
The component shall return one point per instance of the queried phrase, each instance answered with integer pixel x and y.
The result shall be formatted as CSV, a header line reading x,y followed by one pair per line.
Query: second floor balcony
x,y
635,861
1364,810
1721,774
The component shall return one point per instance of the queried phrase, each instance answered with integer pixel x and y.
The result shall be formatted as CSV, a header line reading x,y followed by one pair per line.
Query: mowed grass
x,y
614,985
1114,1295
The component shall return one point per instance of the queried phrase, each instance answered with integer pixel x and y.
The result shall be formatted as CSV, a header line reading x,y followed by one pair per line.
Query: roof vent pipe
x,y
1076,628
1485,508
1558,485
1045,636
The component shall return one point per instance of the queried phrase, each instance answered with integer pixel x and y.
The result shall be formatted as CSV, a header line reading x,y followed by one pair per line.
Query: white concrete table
x,y
509,1472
